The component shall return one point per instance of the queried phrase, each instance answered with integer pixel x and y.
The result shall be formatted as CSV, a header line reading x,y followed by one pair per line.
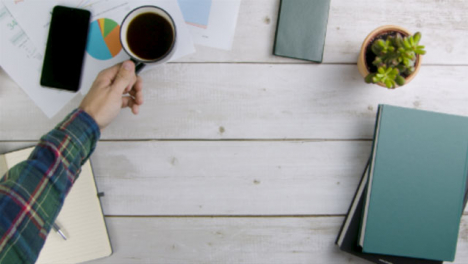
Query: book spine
x,y
352,207
368,187
277,26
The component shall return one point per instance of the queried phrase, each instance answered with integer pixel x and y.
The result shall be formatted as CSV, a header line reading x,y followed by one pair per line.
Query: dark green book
x,y
301,29
349,232
417,181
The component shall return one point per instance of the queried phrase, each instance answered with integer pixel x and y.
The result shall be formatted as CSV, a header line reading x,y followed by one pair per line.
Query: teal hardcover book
x,y
301,29
416,186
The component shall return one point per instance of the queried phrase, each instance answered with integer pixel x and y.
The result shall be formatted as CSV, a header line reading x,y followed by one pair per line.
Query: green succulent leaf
x,y
417,37
399,41
389,83
381,43
369,77
378,62
420,50
395,56
401,68
411,41
410,70
406,62
411,44
386,75
400,80
376,49
406,43
382,48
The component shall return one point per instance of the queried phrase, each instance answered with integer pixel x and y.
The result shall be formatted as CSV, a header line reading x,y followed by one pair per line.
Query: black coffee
x,y
150,36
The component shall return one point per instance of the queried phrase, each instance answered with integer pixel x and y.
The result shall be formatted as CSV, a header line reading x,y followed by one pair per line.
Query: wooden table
x,y
243,157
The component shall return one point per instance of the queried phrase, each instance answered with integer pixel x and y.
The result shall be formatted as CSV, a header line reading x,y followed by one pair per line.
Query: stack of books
x,y
409,203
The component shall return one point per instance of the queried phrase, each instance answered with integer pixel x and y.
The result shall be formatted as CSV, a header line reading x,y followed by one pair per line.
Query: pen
x,y
57,229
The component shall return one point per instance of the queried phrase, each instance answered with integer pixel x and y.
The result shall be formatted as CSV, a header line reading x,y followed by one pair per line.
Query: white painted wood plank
x,y
235,240
254,101
444,25
228,178
231,239
6,147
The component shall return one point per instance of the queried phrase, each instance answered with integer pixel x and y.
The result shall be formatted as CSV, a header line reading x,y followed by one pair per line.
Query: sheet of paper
x,y
81,220
3,166
20,58
103,50
212,23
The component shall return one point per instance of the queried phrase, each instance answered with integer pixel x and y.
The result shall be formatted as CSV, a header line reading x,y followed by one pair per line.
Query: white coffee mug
x,y
141,62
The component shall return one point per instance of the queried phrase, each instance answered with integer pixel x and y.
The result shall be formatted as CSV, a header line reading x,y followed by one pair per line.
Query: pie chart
x,y
104,39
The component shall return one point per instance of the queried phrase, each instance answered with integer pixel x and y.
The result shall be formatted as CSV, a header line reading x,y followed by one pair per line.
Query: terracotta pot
x,y
362,65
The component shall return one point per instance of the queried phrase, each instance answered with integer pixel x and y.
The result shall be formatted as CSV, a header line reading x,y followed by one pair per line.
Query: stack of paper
x,y
24,29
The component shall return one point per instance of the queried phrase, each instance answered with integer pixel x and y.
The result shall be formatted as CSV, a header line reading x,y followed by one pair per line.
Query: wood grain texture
x,y
228,178
225,97
235,240
251,101
443,23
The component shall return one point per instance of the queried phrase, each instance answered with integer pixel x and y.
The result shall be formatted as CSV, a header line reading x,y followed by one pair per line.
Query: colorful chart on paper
x,y
196,12
104,39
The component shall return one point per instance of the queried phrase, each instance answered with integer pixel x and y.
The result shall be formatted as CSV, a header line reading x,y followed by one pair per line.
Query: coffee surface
x,y
150,36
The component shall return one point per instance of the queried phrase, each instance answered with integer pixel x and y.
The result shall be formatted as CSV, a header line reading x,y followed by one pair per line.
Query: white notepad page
x,y
81,220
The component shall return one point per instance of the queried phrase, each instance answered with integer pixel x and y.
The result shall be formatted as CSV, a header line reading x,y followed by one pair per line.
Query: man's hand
x,y
106,97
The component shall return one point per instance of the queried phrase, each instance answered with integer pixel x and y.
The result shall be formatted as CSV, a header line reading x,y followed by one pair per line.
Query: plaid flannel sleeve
x,y
32,192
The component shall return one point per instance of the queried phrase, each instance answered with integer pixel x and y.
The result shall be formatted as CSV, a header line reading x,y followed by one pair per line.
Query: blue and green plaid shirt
x,y
32,192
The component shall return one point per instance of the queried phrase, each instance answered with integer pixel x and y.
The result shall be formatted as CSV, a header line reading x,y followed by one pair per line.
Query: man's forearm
x,y
32,192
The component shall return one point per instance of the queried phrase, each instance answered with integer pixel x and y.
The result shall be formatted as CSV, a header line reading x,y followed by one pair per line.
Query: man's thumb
x,y
125,76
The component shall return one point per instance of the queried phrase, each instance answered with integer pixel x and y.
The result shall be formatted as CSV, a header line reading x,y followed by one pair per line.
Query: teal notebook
x,y
301,29
416,184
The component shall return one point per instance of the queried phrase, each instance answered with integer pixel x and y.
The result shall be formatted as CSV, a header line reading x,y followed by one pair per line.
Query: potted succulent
x,y
390,56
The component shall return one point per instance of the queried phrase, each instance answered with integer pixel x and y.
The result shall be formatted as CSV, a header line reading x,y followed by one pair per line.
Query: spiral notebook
x,y
81,219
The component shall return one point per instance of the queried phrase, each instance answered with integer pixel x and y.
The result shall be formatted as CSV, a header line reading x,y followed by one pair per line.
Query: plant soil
x,y
370,56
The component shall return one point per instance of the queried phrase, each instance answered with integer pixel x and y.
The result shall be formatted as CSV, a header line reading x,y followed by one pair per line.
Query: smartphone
x,y
65,50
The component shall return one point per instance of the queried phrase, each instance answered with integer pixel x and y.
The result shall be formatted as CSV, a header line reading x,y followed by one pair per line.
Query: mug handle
x,y
138,65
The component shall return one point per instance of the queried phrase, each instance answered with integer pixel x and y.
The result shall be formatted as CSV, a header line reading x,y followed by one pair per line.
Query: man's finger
x,y
139,84
127,90
109,73
138,89
139,98
135,109
137,93
125,77
128,101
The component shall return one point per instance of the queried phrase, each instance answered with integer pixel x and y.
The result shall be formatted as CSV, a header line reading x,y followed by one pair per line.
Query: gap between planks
x,y
212,140
305,63
231,216
225,216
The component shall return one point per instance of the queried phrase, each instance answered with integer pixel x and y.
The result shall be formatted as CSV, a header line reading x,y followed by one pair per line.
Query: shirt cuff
x,y
83,129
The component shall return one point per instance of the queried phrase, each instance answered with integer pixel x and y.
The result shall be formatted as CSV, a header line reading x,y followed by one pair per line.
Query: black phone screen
x,y
65,50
